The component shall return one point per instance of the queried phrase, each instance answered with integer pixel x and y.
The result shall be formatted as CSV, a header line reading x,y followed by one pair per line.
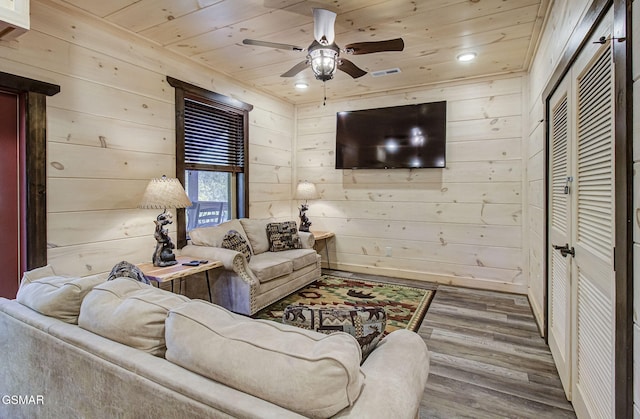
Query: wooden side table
x,y
322,236
179,271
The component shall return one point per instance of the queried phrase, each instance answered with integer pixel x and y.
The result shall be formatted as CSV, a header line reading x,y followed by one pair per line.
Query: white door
x,y
581,275
560,187
593,232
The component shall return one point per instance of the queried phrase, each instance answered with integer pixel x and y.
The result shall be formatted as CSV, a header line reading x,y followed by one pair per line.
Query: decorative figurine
x,y
304,220
163,255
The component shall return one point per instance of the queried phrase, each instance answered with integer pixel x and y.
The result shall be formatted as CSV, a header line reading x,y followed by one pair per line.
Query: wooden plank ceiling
x,y
503,33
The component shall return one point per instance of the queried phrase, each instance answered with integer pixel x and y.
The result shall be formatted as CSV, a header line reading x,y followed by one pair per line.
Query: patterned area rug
x,y
405,306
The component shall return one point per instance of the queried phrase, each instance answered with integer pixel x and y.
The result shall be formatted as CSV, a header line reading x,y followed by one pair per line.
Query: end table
x,y
179,271
322,236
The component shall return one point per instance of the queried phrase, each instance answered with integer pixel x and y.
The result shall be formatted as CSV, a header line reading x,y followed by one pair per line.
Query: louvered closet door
x,y
581,221
593,227
560,185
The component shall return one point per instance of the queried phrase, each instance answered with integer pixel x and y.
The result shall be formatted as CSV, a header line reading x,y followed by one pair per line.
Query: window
x,y
211,147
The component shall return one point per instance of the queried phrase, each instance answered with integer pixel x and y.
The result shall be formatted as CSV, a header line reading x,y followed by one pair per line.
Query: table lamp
x,y
305,190
163,193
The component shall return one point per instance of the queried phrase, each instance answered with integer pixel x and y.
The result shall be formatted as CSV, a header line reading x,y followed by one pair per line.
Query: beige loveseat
x,y
247,286
95,349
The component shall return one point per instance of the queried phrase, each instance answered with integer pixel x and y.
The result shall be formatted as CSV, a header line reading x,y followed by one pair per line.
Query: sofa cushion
x,y
129,312
234,241
300,257
267,266
366,324
256,231
37,273
213,236
55,296
310,373
283,236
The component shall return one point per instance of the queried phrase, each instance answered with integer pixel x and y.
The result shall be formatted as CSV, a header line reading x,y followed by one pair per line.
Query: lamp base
x,y
163,255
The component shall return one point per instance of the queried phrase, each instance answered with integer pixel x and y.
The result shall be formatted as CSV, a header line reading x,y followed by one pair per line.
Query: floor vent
x,y
387,72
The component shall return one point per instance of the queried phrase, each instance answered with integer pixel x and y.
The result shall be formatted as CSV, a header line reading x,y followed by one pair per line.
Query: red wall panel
x,y
9,195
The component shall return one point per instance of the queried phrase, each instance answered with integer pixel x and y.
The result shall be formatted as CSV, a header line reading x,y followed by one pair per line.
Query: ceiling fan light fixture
x,y
324,62
466,56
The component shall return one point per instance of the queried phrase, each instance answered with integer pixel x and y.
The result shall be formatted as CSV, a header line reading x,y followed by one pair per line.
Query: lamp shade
x,y
307,190
164,192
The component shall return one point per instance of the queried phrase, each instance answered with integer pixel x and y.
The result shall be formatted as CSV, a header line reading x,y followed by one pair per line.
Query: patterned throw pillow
x,y
125,269
234,241
283,236
366,324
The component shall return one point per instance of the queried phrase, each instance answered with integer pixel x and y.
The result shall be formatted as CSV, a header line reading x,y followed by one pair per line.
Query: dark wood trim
x,y
33,95
36,169
545,234
181,217
245,176
580,36
623,169
216,97
19,84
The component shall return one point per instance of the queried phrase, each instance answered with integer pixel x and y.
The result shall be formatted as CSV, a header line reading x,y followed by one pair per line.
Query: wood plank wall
x,y
111,129
460,225
563,19
636,205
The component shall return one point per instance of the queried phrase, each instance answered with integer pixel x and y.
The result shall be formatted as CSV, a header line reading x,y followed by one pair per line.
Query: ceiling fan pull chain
x,y
324,84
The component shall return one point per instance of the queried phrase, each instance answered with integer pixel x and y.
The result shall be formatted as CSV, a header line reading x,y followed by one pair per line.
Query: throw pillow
x,y
234,241
283,236
129,312
56,296
366,324
125,269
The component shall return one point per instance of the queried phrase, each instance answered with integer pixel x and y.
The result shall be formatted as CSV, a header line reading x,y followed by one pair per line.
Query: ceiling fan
x,y
323,55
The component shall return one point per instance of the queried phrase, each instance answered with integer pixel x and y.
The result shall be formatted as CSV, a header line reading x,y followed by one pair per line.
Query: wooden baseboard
x,y
538,312
478,283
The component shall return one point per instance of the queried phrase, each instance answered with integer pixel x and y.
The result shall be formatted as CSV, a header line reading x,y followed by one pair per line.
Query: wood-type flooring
x,y
487,357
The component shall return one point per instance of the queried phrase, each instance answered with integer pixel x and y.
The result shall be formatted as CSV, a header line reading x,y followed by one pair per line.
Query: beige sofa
x,y
89,348
247,286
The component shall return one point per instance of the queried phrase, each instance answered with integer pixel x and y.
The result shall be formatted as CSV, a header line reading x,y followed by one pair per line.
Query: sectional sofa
x,y
86,347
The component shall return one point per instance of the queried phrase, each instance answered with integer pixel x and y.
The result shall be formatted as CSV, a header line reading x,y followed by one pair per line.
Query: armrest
x,y
396,374
231,260
226,256
307,239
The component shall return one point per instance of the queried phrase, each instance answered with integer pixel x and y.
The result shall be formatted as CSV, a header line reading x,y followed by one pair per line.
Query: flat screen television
x,y
410,136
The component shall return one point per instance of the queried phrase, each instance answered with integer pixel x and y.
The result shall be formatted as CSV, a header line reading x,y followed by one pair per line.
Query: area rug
x,y
405,306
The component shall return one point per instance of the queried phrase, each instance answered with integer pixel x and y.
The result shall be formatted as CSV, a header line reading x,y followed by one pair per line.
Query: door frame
x,y
32,96
623,169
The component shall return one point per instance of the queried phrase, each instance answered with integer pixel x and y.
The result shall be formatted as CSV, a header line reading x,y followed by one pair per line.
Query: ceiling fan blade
x,y
324,26
358,48
271,45
296,69
350,68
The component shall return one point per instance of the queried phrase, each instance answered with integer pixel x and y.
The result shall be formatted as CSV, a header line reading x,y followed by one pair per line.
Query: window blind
x,y
213,137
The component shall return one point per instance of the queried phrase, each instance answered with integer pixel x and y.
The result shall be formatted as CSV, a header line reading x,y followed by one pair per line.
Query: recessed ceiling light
x,y
301,85
466,56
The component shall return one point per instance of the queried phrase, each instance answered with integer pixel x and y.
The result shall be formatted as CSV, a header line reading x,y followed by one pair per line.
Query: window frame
x,y
186,90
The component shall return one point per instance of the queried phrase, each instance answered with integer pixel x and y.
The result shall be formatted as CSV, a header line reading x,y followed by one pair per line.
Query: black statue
x,y
163,255
304,220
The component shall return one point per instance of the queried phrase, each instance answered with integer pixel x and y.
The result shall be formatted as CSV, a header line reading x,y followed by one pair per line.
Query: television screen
x,y
411,136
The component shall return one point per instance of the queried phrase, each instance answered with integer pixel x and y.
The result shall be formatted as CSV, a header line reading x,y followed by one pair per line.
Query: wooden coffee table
x,y
179,271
